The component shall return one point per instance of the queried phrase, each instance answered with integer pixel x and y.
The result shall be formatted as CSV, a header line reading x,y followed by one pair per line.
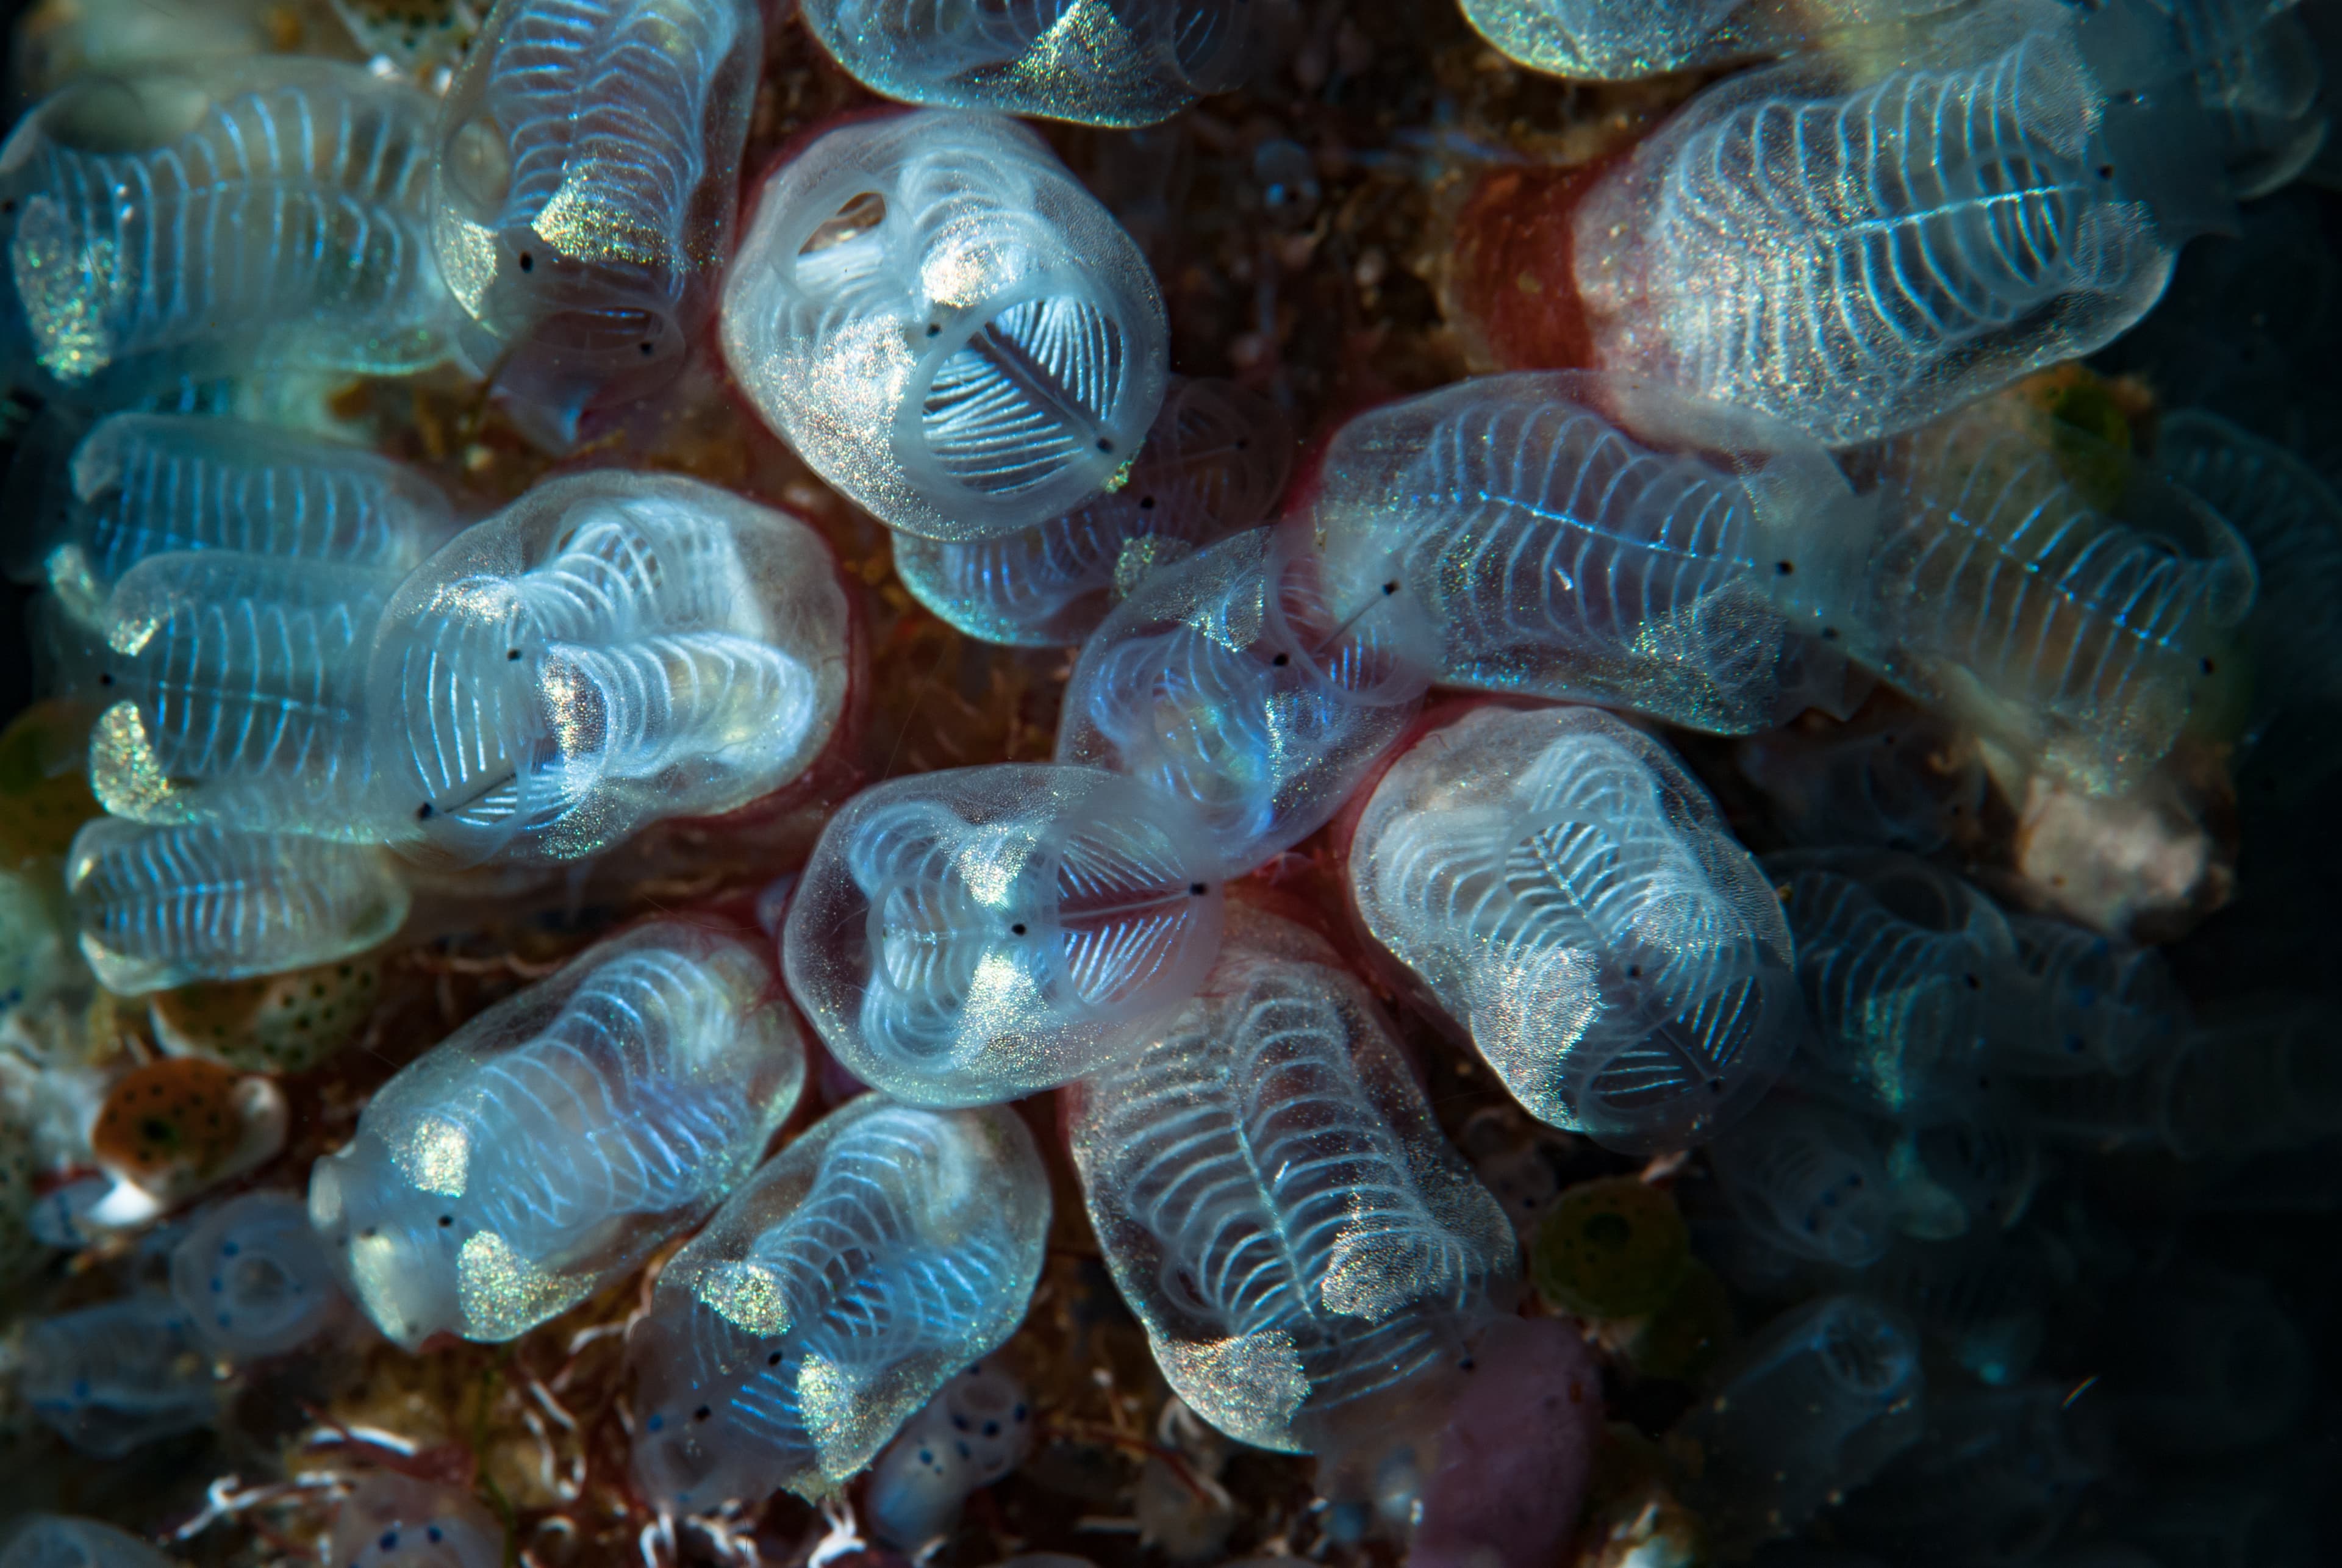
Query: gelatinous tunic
x,y
1278,1206
1122,63
831,1297
1570,898
1856,262
160,906
588,165
967,937
60,1541
254,1278
945,326
264,215
611,649
111,1377
1679,569
549,1146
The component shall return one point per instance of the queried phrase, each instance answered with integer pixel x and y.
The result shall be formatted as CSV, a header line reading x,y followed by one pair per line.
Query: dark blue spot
x,y
218,1286
926,1457
434,1534
1019,1414
80,1388
964,1451
656,1422
959,1423
229,1249
992,1429
390,1540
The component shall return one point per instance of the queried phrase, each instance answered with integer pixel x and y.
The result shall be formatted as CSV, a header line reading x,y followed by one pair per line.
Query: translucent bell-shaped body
x,y
1588,537
1569,897
977,1430
1125,65
141,485
2257,75
609,650
1905,780
1992,1479
1624,40
945,326
2292,519
1969,1166
1857,258
161,906
553,1143
1897,958
60,1540
256,215
1278,1206
252,1277
967,937
111,1377
1979,1299
2205,1363
588,166
1215,463
235,691
875,1258
1807,1181
394,1520
1223,681
2050,590
2082,1003
1809,1408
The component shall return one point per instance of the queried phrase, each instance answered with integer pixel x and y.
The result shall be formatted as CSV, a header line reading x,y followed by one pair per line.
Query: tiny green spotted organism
x,y
272,1022
1611,1248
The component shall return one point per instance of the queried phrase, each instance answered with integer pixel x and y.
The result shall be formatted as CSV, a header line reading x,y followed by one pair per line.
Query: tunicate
x,y
60,1540
1622,40
1225,682
160,906
253,1278
1116,65
394,1521
609,650
1570,898
1857,259
1808,1181
945,326
2079,1002
124,1373
966,937
1215,463
874,1259
258,215
549,1146
2258,78
1978,1297
1991,1480
1899,780
1592,539
588,162
977,1430
2205,1363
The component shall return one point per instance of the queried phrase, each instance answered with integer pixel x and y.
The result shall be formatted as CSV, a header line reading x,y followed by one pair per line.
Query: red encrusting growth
x,y
1512,276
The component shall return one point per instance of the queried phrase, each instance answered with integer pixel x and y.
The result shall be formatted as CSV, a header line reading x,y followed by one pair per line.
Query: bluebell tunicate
x,y
588,163
945,326
1897,959
1590,538
549,1146
124,1373
257,215
1980,1298
1813,1406
967,937
2047,589
141,485
160,906
1225,681
1213,463
60,1540
1122,64
1856,258
1624,40
977,1430
252,1277
2257,77
1807,1181
1569,897
1904,780
1306,1252
2078,1002
833,1296
609,650
1990,1481
394,1520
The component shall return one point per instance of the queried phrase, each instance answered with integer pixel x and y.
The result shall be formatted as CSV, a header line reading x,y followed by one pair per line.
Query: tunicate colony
x,y
1592,920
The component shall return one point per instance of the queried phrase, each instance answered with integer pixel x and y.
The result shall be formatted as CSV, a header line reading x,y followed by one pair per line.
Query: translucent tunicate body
x,y
1225,681
977,1430
1980,1298
1807,1181
60,1540
876,1257
252,1277
1586,537
609,650
161,906
1907,780
1622,40
1122,64
1896,958
549,1146
1991,1480
1857,259
124,1373
143,485
2045,587
945,326
2079,1002
394,1520
2258,73
587,167
966,937
1213,463
1809,1408
260,215
1971,1165
1305,1249
2201,1363
1571,899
